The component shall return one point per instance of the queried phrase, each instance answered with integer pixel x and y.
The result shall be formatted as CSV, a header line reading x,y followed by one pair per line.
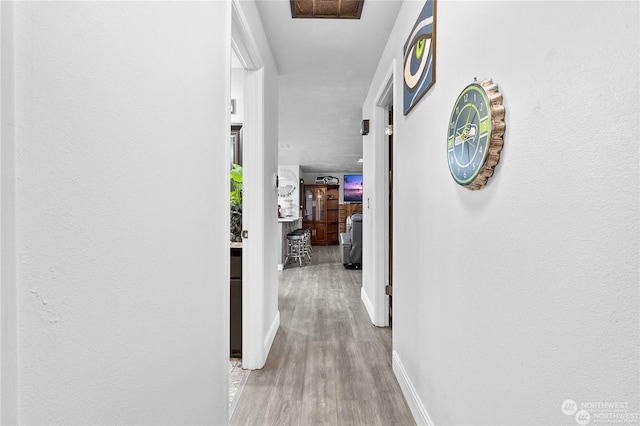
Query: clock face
x,y
469,134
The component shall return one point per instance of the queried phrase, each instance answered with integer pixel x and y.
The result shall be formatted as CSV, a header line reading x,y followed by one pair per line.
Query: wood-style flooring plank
x,y
320,372
283,413
319,412
355,374
328,364
357,413
290,383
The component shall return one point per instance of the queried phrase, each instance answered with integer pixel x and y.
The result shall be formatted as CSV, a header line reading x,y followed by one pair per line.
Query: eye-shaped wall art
x,y
419,68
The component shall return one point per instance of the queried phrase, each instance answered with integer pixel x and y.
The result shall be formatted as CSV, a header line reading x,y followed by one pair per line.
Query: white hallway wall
x,y
122,292
8,298
510,300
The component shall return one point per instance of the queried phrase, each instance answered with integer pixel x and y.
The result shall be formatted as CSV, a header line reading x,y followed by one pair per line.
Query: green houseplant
x,y
235,197
236,184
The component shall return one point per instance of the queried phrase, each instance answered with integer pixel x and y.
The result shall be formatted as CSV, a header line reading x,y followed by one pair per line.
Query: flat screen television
x,y
352,188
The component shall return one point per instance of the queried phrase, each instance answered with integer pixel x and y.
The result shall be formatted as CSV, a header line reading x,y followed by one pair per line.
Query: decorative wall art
x,y
419,70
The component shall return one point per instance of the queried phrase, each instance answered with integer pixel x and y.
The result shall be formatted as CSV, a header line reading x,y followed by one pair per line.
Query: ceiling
x,y
325,67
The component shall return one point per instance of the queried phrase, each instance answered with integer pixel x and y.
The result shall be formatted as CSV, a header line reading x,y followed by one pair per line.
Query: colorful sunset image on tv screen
x,y
353,188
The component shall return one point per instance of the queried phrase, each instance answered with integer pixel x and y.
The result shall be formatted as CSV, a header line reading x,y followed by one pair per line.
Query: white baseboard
x,y
271,334
367,305
418,409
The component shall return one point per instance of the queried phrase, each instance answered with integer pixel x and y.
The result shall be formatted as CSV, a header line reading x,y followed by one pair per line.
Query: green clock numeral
x,y
485,126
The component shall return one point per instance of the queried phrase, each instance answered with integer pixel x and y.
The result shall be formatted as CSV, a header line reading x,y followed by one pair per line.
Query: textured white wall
x,y
8,296
509,300
122,135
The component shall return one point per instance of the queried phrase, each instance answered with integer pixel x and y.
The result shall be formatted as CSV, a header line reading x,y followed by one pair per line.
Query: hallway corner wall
x,y
511,300
122,120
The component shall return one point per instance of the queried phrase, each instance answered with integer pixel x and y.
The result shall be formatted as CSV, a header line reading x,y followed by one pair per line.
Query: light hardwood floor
x,y
328,365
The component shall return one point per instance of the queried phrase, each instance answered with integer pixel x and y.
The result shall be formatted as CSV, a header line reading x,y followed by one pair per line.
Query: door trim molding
x,y
384,97
242,41
379,301
253,297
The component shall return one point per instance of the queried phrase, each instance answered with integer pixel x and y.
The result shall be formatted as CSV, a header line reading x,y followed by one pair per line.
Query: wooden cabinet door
x,y
307,211
319,204
332,215
320,233
320,213
315,203
311,227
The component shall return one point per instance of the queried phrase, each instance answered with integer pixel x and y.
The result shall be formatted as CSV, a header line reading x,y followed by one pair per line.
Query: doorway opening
x,y
237,375
384,150
246,319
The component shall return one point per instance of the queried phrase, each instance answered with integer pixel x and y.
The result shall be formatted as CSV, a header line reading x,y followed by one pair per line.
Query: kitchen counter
x,y
288,219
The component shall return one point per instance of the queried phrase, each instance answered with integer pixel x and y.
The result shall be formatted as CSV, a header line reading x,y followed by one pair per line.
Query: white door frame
x,y
253,297
380,214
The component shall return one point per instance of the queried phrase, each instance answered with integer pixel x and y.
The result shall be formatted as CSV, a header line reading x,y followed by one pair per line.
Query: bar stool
x,y
308,249
307,242
295,247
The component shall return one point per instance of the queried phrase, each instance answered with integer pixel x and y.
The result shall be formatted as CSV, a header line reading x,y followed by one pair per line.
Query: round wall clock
x,y
476,128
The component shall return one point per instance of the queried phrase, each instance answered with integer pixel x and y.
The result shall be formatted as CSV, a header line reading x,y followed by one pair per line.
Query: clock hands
x,y
474,116
468,116
467,133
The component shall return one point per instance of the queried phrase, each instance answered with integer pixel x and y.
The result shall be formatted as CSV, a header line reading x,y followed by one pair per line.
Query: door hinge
x,y
388,290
